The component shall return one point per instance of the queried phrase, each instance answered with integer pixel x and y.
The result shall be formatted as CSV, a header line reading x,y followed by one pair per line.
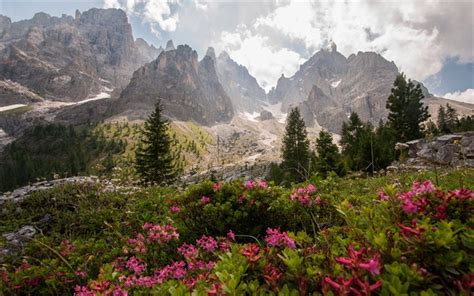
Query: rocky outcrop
x,y
14,93
329,86
243,89
446,150
71,58
189,89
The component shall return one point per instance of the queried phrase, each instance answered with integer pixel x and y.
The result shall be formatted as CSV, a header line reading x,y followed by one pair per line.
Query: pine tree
x,y
295,147
406,110
442,123
452,119
154,162
328,158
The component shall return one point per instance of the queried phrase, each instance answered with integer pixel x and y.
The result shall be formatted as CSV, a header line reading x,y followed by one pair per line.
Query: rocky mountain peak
x,y
188,89
71,58
211,53
169,45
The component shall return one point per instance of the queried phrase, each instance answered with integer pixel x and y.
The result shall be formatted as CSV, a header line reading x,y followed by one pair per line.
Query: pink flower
x,y
136,265
383,196
242,199
178,270
231,235
175,209
207,243
272,274
275,238
262,184
441,211
423,187
409,207
310,188
216,186
251,252
189,251
344,261
373,266
83,291
119,292
249,184
462,194
205,200
160,233
408,230
318,200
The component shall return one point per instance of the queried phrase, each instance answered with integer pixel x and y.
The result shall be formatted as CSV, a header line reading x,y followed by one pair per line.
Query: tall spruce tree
x,y
355,139
328,158
452,119
406,110
295,150
442,122
153,159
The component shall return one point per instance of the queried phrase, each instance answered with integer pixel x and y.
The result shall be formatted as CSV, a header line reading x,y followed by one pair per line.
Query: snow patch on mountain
x,y
12,107
275,109
334,84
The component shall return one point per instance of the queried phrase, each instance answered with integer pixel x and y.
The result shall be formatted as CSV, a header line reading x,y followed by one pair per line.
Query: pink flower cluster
x,y
154,233
189,251
275,238
351,286
205,200
305,195
136,265
174,209
252,184
160,233
415,200
357,260
207,243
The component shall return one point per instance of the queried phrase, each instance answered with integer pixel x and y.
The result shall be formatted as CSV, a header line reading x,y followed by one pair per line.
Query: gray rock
x,y
265,115
446,150
188,89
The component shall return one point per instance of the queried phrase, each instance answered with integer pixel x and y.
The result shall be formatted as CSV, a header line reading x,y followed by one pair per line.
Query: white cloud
x,y
157,13
417,36
465,96
263,61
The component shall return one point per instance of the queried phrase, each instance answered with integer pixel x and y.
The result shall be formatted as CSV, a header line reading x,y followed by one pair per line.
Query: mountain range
x,y
89,67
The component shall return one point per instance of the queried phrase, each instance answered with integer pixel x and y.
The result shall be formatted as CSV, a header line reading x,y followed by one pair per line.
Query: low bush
x,y
252,238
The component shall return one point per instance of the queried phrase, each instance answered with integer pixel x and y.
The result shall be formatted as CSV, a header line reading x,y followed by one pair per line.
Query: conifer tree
x,y
154,161
328,158
295,150
442,123
452,119
406,110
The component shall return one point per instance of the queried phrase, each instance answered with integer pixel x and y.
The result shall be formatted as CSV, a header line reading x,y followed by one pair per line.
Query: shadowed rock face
x,y
328,86
69,58
242,88
188,89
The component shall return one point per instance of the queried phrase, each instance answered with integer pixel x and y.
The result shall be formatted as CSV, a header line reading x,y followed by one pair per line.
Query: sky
x,y
430,41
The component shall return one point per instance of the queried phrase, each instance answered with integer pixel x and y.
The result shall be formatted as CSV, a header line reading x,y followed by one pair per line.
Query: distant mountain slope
x,y
188,88
71,58
329,86
242,88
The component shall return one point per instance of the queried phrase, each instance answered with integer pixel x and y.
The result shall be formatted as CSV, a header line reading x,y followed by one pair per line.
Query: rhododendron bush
x,y
254,238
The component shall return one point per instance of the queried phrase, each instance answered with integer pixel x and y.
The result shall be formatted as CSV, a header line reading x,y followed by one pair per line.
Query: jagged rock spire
x,y
169,45
211,53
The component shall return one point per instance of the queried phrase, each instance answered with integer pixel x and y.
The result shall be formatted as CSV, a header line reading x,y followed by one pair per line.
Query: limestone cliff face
x,y
188,89
329,86
71,58
242,88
